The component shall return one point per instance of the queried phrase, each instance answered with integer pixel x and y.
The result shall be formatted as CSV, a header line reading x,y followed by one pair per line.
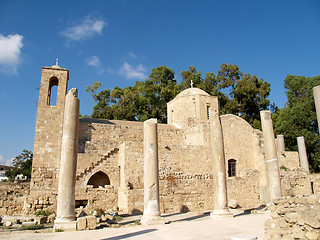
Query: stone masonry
x,y
110,158
294,218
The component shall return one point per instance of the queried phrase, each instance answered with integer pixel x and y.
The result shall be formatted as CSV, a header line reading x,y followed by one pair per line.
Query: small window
x,y
232,168
53,91
208,112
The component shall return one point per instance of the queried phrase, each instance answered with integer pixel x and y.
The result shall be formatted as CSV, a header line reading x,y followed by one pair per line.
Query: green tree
x,y
144,100
148,99
298,117
246,94
240,94
22,164
160,88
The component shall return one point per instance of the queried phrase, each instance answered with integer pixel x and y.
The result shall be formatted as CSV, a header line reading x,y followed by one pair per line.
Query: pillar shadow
x,y
248,211
205,214
129,235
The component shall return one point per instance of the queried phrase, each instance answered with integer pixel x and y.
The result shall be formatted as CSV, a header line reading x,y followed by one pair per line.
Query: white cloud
x,y
132,55
5,162
84,30
94,61
10,50
130,72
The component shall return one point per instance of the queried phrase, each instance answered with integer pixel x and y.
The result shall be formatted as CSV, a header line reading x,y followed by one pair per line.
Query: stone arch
x,y
232,168
99,179
53,91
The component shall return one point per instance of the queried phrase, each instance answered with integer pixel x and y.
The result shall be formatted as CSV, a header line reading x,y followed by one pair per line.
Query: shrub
x,y
42,213
32,227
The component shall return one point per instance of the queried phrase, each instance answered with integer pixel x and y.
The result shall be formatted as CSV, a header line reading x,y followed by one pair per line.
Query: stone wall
x,y
12,197
295,182
288,159
294,218
245,189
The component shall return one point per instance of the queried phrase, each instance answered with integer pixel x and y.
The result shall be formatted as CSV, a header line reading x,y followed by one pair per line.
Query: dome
x,y
192,91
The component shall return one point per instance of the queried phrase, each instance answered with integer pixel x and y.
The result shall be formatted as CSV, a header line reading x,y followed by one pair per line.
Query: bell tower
x,y
48,135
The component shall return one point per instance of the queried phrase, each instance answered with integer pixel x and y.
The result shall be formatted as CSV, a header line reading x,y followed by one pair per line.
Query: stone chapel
x,y
110,156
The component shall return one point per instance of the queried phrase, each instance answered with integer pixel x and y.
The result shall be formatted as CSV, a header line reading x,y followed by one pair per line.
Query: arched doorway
x,y
99,179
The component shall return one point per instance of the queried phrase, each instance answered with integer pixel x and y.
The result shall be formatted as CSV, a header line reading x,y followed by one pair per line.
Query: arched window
x,y
232,168
53,91
99,179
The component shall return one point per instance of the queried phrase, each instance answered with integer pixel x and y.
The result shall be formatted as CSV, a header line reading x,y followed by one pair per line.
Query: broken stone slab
x,y
28,223
233,204
310,217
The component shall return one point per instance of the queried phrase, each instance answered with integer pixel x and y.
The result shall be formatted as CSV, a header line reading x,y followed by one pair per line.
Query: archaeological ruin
x,y
198,161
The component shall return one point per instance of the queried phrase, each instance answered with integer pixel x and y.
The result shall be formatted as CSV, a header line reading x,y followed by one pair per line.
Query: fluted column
x,y
68,163
220,207
151,214
302,153
270,155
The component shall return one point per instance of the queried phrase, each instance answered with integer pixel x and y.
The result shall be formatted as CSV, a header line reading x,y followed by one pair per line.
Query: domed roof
x,y
192,91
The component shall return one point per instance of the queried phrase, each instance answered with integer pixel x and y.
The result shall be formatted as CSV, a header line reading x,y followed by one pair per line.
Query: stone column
x,y
67,178
302,153
280,143
220,207
261,165
151,214
270,155
316,94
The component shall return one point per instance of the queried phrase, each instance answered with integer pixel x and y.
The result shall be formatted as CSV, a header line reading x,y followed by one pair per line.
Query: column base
x,y
220,213
65,225
151,220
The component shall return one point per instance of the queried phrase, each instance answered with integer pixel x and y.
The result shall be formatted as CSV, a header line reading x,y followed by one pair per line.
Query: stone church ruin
x,y
202,156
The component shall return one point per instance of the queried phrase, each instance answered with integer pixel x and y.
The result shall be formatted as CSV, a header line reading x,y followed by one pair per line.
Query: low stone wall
x,y
12,197
294,218
295,182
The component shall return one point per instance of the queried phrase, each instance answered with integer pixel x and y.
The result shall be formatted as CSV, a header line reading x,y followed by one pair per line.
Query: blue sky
x,y
119,42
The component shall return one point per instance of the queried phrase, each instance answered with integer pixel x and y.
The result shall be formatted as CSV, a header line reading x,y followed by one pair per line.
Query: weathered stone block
x,y
41,220
313,235
91,222
291,217
298,233
310,217
233,204
51,218
81,223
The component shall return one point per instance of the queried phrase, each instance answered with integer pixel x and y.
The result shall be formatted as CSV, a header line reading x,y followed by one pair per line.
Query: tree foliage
x,y
298,117
22,164
240,94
